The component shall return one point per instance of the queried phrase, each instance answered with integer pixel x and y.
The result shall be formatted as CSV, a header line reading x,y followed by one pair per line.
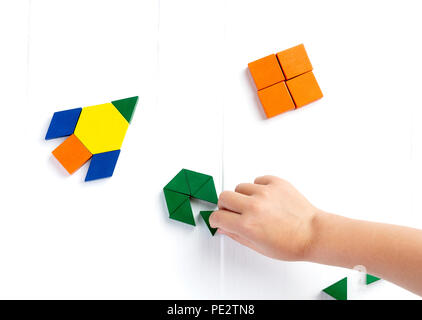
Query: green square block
x,y
206,216
338,290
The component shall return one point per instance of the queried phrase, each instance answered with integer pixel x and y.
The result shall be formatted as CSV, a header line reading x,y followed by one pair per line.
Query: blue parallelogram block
x,y
63,123
102,165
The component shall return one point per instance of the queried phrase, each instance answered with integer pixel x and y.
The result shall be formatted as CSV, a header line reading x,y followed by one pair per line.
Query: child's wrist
x,y
316,228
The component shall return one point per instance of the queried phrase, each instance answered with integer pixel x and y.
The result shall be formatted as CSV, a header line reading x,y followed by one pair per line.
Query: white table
x,y
356,152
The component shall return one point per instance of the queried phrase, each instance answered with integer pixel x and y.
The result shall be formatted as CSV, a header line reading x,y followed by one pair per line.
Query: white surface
x,y
356,152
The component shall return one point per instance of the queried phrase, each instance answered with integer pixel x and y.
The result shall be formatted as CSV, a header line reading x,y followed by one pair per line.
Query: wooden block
x,y
266,72
206,216
276,99
371,279
72,154
63,123
207,192
179,183
126,107
304,89
102,165
184,213
338,290
174,199
294,61
101,128
182,187
196,180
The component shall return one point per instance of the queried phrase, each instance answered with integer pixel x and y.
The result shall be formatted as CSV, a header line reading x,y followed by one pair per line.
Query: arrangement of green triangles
x,y
338,290
371,279
185,185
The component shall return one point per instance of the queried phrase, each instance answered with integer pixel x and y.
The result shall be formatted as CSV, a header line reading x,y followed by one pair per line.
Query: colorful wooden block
x,y
101,128
304,89
294,61
126,107
179,183
183,213
72,154
266,72
338,290
63,123
174,199
196,180
371,279
296,72
185,185
102,165
276,99
206,216
207,192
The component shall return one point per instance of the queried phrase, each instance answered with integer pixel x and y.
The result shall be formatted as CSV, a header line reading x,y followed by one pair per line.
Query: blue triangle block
x,y
102,165
63,123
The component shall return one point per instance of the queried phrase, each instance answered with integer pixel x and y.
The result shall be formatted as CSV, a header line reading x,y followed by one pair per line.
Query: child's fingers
x,y
233,201
238,238
226,220
248,188
265,180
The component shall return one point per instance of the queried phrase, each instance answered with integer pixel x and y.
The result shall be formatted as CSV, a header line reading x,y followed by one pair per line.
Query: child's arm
x,y
273,218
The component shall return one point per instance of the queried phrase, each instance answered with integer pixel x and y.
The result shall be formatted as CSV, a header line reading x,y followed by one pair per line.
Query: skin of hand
x,y
271,217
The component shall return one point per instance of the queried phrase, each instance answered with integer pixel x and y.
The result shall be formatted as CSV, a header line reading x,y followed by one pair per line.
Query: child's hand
x,y
269,216
273,218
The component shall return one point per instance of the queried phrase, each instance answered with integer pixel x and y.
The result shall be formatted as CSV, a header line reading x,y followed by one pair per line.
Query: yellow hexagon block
x,y
101,128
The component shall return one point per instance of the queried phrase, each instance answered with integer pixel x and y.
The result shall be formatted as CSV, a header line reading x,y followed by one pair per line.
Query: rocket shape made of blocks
x,y
95,133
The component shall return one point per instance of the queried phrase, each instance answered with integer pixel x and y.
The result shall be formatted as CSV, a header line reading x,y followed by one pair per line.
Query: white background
x,y
356,152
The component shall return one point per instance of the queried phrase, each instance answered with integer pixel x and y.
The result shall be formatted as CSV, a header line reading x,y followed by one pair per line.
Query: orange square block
x,y
304,89
72,154
266,72
276,99
294,61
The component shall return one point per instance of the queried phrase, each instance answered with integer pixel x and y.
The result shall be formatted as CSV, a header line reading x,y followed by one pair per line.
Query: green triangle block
x,y
206,216
207,192
338,290
184,213
126,107
370,279
174,199
179,183
196,180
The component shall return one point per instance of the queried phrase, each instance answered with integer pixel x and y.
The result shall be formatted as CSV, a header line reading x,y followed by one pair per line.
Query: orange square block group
x,y
285,81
